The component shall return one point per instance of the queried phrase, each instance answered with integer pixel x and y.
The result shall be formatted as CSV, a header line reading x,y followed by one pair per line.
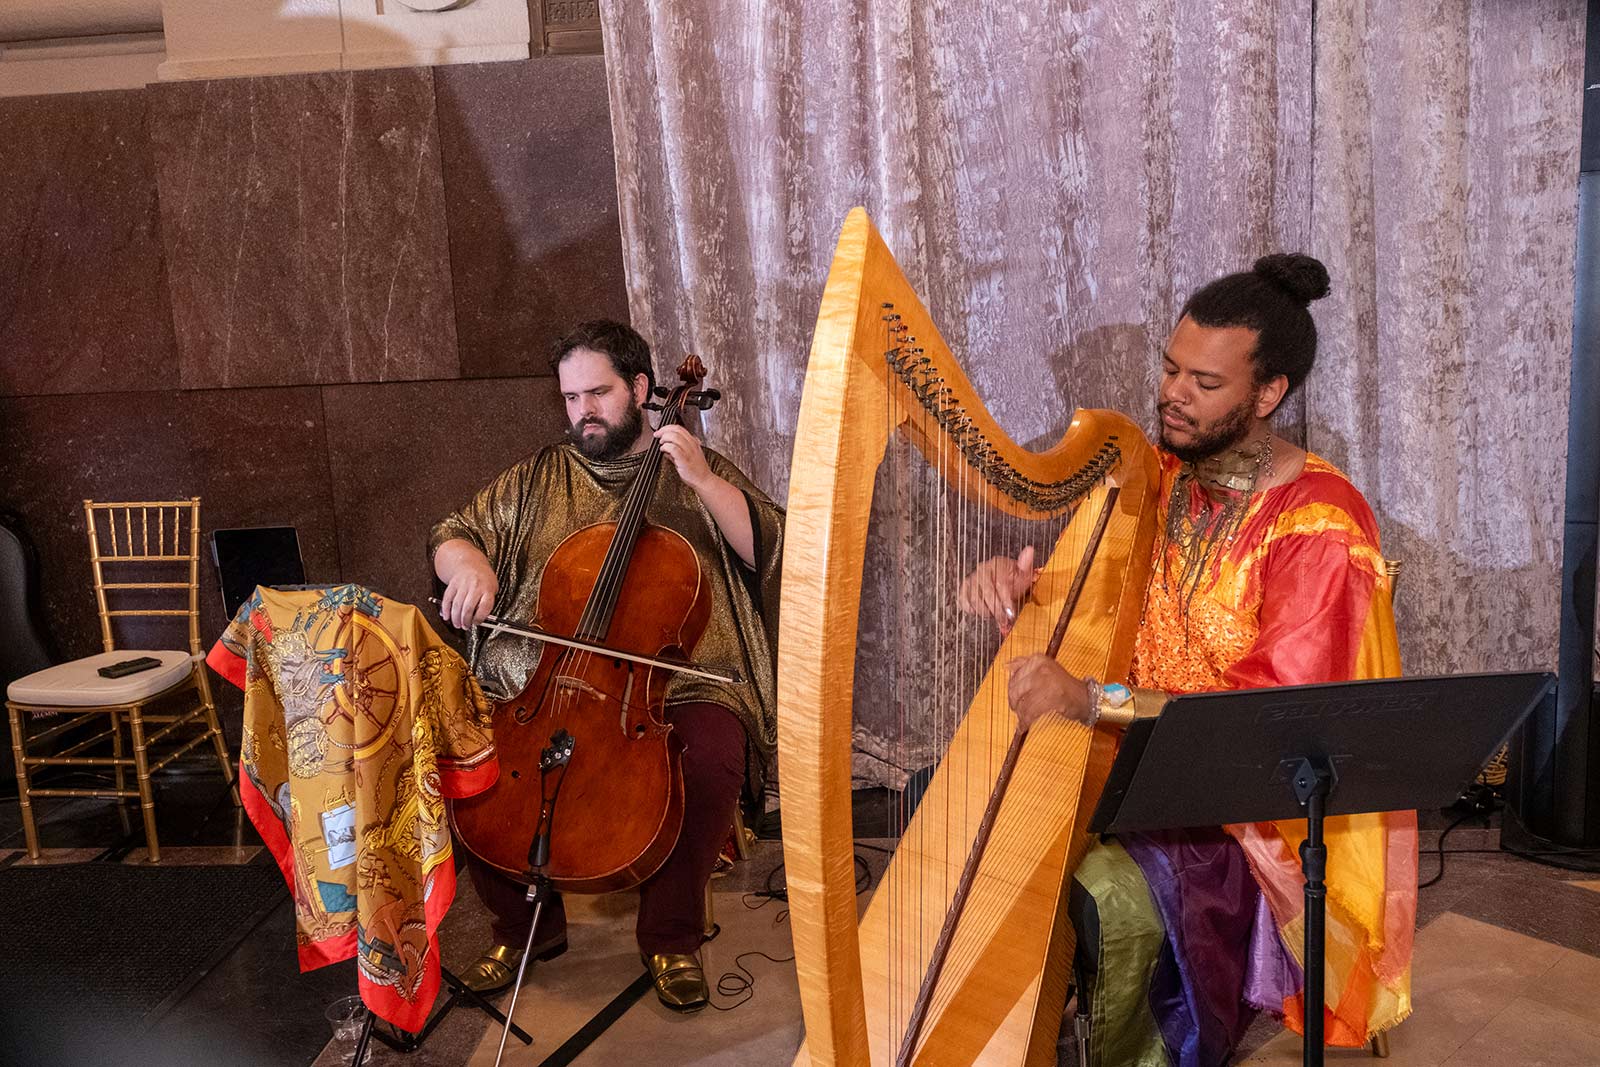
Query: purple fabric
x,y
1272,975
1209,904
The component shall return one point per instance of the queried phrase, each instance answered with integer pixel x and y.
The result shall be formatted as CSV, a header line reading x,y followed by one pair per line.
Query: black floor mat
x,y
90,953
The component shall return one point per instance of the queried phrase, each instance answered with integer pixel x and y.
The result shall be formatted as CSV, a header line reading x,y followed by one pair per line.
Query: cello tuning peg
x,y
650,405
661,391
705,398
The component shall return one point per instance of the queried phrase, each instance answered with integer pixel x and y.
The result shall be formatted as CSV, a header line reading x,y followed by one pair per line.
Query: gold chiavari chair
x,y
153,548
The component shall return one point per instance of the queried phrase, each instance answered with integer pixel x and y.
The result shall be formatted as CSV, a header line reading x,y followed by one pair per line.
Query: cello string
x,y
634,506
613,570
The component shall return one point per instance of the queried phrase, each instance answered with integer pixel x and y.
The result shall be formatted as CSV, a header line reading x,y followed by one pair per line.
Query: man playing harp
x,y
1266,573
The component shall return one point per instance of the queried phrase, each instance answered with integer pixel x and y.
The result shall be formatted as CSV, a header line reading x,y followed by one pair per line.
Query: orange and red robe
x,y
1301,595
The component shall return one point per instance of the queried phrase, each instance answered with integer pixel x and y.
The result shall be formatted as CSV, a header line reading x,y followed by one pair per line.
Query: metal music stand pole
x,y
552,768
1314,780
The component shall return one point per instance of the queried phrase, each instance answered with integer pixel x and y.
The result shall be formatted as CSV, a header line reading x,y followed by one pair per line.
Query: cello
x,y
622,605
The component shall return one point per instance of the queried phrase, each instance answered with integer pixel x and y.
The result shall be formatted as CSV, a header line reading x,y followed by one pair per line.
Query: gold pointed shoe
x,y
679,981
496,968
493,970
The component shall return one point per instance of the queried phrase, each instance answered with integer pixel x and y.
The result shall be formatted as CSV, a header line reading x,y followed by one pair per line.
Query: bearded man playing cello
x,y
490,555
1267,573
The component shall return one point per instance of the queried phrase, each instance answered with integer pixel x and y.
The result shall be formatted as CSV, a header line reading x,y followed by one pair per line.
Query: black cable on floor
x,y
763,897
741,981
1461,819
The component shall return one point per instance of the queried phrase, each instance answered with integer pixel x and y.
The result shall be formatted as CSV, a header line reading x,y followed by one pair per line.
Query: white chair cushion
x,y
79,685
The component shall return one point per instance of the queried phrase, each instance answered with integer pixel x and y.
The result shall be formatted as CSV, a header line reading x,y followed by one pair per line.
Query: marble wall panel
x,y
82,299
255,457
403,456
531,190
303,220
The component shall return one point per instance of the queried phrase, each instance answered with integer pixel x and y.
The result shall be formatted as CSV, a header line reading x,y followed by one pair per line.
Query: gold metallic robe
x,y
520,518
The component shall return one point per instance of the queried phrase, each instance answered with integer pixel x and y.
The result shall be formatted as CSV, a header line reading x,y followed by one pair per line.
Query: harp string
x,y
938,660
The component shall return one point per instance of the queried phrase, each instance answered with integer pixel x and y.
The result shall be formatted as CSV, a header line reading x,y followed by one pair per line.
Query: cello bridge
x,y
566,683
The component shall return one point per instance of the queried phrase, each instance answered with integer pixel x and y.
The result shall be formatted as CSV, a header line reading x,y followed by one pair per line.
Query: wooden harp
x,y
1000,992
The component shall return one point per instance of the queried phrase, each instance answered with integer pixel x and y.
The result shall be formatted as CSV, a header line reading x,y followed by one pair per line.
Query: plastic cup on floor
x,y
346,1016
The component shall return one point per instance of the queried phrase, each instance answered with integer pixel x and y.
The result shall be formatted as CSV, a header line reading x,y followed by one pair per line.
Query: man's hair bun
x,y
1302,277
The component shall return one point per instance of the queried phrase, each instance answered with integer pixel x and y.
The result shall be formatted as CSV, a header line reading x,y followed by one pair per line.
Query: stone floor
x,y
1486,996
1507,963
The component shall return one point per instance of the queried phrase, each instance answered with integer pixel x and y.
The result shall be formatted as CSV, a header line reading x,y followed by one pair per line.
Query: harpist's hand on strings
x,y
996,586
1040,686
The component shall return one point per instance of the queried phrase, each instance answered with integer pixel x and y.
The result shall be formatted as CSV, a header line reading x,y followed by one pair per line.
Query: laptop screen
x,y
261,555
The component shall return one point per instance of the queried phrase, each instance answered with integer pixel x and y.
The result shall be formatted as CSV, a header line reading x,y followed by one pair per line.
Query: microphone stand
x,y
552,769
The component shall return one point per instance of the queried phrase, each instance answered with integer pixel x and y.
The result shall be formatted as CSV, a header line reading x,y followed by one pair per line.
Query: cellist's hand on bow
x,y
1040,686
469,593
996,586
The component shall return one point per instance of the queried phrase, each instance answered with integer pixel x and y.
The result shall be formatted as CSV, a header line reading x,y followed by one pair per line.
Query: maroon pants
x,y
671,901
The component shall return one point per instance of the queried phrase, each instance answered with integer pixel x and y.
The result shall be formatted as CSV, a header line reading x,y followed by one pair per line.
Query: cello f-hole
x,y
521,713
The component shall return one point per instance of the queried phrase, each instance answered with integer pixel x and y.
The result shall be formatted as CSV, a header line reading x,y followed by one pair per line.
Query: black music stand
x,y
1310,751
401,1041
248,557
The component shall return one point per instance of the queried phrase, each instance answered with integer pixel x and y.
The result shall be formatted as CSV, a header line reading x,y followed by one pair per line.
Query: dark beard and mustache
x,y
1227,432
614,441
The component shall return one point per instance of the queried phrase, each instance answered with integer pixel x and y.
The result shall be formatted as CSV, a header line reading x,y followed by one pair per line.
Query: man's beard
x,y
613,441
1224,433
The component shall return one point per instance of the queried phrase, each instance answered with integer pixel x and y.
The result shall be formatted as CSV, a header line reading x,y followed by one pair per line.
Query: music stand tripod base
x,y
401,1041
